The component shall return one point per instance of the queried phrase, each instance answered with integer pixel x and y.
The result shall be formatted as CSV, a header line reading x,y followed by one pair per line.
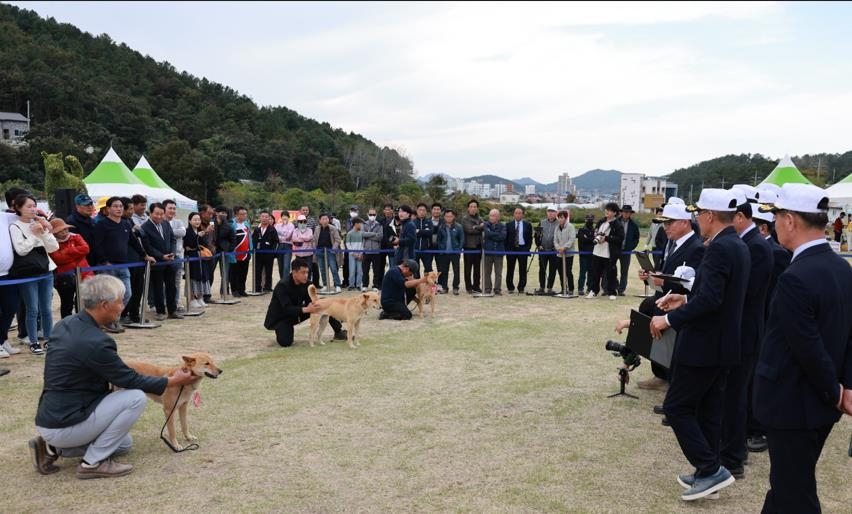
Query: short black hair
x,y
112,199
12,193
473,200
168,201
746,210
450,211
299,263
238,208
156,205
421,204
125,202
406,208
137,199
387,205
436,204
265,211
222,208
612,207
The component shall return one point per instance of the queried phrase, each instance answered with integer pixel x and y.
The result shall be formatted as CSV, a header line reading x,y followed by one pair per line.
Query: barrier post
x,y
225,286
144,323
78,279
187,289
564,293
254,291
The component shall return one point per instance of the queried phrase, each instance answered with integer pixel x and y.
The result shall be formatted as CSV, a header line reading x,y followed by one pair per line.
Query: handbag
x,y
205,252
32,264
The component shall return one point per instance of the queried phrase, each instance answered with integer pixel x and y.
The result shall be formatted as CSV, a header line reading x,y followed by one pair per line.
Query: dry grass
x,y
496,405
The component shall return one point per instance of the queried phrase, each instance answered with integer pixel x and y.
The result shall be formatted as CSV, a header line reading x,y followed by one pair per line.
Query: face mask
x,y
302,226
353,214
372,217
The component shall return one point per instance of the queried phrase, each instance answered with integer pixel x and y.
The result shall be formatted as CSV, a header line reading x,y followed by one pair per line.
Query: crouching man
x,y
398,289
290,305
77,414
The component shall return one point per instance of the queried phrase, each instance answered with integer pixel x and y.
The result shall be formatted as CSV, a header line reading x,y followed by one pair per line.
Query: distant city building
x,y
499,189
529,190
13,128
510,198
565,186
645,193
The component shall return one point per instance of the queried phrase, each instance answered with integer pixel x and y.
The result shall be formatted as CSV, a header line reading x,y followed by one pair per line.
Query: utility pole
x,y
819,165
723,182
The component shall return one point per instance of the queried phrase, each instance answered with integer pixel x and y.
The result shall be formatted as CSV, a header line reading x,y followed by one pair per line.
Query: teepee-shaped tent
x,y
112,178
145,173
840,194
785,173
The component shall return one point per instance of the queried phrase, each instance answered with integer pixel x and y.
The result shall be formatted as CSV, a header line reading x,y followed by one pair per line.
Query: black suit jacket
x,y
267,241
157,246
527,231
807,350
690,253
754,308
709,324
780,261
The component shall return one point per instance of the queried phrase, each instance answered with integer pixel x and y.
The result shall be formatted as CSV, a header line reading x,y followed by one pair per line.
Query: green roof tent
x,y
113,178
146,174
785,173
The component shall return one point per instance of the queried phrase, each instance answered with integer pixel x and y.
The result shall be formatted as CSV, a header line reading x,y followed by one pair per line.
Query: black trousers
x,y
163,278
693,406
66,286
624,265
399,310
521,261
284,330
426,260
137,287
444,261
472,268
376,262
546,268
603,268
263,272
735,414
793,455
237,275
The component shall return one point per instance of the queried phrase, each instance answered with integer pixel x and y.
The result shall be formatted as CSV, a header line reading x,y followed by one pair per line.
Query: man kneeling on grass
x,y
398,289
291,304
77,414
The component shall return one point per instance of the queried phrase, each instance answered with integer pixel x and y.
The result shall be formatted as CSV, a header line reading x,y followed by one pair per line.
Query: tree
x,y
436,187
333,177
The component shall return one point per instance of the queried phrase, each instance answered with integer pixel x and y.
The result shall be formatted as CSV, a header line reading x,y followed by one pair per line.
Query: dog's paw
x,y
190,437
177,446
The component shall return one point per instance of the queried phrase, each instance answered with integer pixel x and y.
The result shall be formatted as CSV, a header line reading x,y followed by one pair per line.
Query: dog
x,y
426,293
199,364
346,310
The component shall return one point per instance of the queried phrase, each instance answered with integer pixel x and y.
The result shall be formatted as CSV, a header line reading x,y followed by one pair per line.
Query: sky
x,y
521,89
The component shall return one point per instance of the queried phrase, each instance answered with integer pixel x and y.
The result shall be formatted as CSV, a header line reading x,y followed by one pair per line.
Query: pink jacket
x,y
302,241
285,232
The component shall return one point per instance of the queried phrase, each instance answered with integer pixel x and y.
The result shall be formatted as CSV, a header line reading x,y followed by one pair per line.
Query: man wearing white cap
x,y
733,451
708,343
684,248
804,372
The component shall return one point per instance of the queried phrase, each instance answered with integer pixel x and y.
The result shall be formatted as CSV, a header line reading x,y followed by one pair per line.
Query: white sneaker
x,y
193,304
9,349
201,302
591,294
323,290
24,340
337,289
3,353
363,289
612,297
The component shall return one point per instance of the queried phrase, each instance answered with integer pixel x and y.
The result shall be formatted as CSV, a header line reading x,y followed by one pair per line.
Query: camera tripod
x,y
623,378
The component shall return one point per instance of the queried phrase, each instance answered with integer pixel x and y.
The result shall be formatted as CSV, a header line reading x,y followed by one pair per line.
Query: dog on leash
x,y
199,364
427,292
346,310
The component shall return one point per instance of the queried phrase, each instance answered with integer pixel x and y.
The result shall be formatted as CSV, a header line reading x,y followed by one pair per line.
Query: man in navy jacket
x,y
159,242
804,372
519,238
708,343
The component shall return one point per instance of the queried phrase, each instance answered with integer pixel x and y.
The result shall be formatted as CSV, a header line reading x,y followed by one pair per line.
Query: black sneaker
x,y
757,444
35,349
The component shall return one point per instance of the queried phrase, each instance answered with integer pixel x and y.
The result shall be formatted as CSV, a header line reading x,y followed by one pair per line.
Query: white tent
x,y
840,194
144,172
112,178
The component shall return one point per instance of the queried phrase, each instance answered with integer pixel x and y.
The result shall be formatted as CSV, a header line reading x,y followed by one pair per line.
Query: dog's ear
x,y
190,361
365,299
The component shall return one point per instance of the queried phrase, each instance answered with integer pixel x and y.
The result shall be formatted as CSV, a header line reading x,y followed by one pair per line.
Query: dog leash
x,y
193,446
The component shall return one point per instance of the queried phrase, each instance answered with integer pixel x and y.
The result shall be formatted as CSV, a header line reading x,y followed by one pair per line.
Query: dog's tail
x,y
312,292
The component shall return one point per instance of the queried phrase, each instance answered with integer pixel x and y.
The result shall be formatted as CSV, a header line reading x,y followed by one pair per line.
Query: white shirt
x,y
6,253
683,239
804,246
178,230
747,230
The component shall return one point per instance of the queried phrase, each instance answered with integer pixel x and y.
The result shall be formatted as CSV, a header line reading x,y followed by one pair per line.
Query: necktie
x,y
670,248
160,230
517,233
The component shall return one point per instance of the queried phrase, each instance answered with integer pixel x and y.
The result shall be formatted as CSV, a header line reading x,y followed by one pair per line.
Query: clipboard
x,y
639,340
673,278
644,261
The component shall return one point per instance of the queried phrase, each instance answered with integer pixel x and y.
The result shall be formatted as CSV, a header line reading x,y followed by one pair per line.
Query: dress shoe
x,y
342,335
658,409
665,422
42,458
757,444
653,383
160,317
107,468
175,315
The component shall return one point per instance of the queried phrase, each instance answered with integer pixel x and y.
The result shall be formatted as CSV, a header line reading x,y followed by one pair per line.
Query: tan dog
x,y
346,310
199,364
426,292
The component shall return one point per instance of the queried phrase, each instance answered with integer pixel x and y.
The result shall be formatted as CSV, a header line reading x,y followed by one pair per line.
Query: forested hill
x,y
87,91
821,169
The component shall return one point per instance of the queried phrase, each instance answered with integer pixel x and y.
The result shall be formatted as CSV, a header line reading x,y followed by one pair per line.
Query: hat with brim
x,y
83,199
551,209
751,193
673,212
101,203
805,198
58,225
412,265
627,208
721,200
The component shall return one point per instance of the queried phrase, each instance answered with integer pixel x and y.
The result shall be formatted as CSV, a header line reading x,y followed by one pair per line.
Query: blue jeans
x,y
355,274
323,255
37,297
122,274
284,259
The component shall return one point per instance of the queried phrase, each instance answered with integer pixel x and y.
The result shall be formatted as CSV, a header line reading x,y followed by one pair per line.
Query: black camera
x,y
631,360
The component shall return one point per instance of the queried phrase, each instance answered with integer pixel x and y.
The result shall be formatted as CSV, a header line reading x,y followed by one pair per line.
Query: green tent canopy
x,y
146,174
785,173
111,170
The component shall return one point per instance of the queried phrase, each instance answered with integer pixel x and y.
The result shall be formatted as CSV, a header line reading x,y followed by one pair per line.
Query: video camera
x,y
629,357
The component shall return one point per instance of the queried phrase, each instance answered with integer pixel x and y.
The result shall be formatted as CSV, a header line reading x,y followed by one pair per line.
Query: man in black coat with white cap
x,y
708,343
803,381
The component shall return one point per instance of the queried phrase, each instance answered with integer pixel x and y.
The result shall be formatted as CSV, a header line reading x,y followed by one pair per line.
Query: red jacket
x,y
72,253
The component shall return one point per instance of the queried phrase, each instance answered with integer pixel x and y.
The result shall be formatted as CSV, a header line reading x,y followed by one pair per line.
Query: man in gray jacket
x,y
548,227
371,234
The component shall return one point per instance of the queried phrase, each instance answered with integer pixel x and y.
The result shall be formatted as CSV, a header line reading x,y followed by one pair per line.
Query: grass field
x,y
496,405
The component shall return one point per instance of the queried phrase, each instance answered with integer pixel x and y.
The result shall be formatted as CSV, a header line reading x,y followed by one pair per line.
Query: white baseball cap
x,y
766,196
740,195
752,194
722,200
673,212
806,198
675,201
